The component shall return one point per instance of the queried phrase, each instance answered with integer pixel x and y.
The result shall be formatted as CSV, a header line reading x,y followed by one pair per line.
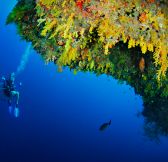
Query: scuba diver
x,y
9,90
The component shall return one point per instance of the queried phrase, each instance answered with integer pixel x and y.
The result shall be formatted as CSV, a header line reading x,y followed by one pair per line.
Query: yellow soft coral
x,y
113,21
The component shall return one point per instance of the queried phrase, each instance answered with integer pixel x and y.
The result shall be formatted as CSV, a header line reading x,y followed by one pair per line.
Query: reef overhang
x,y
123,39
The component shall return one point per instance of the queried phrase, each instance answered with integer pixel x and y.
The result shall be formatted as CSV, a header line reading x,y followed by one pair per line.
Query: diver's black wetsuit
x,y
8,87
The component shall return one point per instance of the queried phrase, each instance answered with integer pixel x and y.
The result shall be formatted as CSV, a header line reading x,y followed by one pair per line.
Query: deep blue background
x,y
61,113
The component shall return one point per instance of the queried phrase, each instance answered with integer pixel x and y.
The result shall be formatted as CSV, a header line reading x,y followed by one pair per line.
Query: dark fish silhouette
x,y
104,126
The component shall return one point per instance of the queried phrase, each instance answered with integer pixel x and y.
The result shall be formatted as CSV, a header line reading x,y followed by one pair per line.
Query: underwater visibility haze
x,y
90,86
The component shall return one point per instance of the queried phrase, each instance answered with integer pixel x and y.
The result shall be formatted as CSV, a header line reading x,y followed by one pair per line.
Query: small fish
x,y
104,126
142,64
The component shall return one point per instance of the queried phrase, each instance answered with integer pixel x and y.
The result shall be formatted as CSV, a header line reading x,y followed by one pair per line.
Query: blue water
x,y
60,113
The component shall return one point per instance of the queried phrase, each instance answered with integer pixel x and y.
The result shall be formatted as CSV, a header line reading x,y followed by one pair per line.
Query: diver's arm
x,y
3,78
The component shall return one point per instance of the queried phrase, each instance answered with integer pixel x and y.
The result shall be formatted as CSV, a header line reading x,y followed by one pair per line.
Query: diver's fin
x,y
16,112
10,109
